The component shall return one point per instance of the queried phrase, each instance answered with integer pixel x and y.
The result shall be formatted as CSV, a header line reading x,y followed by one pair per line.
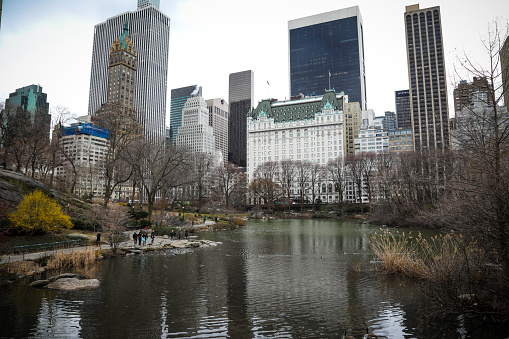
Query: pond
x,y
309,278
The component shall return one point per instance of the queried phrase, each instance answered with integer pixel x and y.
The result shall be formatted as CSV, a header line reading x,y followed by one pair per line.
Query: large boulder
x,y
69,284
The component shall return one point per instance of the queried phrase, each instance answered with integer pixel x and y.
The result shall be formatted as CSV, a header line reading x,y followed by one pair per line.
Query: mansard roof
x,y
301,109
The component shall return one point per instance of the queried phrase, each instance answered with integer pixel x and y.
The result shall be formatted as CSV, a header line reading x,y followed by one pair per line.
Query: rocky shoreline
x,y
71,281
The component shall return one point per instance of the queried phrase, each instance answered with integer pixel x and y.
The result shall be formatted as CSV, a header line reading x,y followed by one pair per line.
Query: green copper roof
x,y
303,109
125,33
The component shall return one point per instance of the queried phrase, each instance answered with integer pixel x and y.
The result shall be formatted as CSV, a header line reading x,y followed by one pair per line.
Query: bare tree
x,y
303,171
336,171
203,166
287,172
230,185
157,166
480,183
117,167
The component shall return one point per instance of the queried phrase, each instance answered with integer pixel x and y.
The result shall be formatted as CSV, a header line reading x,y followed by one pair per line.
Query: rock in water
x,y
69,284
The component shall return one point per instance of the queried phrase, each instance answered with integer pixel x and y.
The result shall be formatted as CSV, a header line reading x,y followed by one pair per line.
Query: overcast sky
x,y
50,43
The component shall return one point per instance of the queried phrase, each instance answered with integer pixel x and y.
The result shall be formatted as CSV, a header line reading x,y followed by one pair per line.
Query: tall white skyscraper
x,y
150,34
195,132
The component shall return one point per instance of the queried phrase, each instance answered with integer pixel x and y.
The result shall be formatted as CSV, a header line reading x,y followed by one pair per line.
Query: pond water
x,y
270,279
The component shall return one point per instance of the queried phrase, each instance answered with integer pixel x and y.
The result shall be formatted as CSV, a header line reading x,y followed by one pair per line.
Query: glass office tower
x,y
325,47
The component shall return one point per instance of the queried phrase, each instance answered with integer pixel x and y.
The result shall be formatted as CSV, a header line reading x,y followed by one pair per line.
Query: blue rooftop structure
x,y
82,128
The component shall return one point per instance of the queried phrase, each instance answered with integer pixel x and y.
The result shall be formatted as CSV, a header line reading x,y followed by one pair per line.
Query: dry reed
x,y
416,256
21,268
76,259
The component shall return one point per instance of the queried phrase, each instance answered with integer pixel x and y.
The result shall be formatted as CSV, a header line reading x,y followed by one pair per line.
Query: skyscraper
x,y
218,120
179,97
241,99
31,101
325,49
195,132
118,112
403,115
426,74
150,33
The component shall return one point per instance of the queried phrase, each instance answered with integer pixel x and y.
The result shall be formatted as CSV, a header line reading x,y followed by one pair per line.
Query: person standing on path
x,y
98,241
186,233
135,237
172,235
140,235
153,236
179,233
144,239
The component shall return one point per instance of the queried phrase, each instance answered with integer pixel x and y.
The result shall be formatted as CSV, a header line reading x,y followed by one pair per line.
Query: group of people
x,y
142,237
172,234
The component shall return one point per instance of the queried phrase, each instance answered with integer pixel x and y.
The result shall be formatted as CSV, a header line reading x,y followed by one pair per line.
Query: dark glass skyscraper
x,y
325,48
426,71
403,116
241,99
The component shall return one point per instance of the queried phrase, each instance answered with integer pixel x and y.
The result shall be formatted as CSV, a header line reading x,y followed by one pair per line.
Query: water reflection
x,y
278,279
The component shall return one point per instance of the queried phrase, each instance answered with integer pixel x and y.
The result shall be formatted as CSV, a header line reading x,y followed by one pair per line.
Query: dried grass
x,y
356,266
21,268
76,259
416,256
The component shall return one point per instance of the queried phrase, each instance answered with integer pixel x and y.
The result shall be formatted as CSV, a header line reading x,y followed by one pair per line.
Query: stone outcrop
x,y
67,282
14,185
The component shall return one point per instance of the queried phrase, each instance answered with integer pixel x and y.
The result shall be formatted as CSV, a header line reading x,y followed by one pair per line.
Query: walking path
x,y
159,242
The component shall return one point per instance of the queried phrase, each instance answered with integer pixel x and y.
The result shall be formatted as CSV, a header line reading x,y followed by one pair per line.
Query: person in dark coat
x,y
153,236
172,235
98,241
135,237
139,238
186,233
179,233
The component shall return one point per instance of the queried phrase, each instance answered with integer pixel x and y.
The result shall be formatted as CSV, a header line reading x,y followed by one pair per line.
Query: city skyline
x,y
57,25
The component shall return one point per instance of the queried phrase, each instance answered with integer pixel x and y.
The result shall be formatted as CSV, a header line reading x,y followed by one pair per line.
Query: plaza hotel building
x,y
308,128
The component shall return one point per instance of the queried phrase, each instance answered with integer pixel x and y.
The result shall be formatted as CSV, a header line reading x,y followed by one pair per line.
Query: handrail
x,y
57,244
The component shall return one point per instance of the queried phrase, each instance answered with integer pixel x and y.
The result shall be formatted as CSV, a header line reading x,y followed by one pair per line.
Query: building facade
x,y
85,147
389,121
195,132
326,51
179,98
403,114
118,111
29,106
218,120
401,140
306,129
241,100
427,81
149,33
466,93
353,121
